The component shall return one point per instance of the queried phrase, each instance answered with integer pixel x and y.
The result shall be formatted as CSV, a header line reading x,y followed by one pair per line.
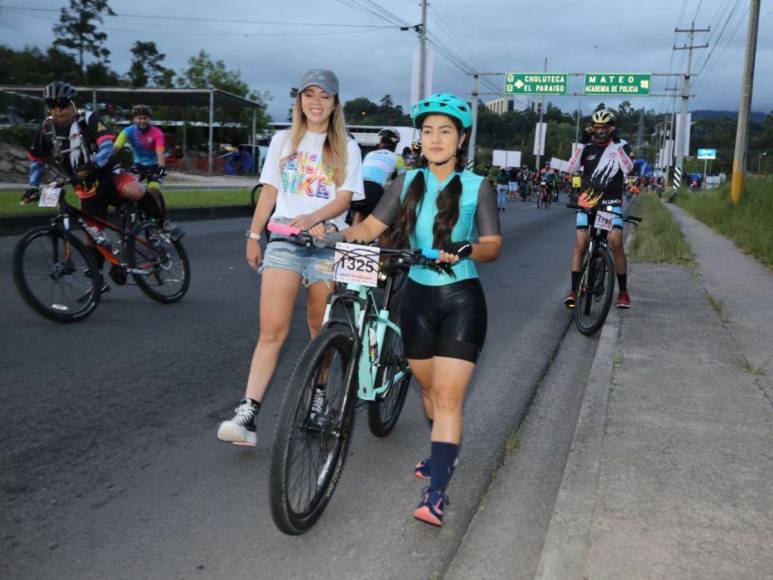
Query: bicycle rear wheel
x,y
310,449
165,263
384,412
594,295
56,276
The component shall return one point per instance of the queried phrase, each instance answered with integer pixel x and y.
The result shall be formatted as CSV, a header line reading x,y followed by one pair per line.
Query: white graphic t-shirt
x,y
304,184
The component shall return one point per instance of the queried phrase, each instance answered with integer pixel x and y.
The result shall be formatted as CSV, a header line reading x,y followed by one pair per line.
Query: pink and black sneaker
x,y
423,470
431,506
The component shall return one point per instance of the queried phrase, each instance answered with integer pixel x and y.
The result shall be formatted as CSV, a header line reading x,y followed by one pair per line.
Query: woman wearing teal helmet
x,y
443,319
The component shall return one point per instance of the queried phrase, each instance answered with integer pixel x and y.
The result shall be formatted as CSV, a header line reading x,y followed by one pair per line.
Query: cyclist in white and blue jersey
x,y
443,318
379,168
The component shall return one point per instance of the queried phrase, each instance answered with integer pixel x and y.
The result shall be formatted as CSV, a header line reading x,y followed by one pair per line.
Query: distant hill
x,y
756,117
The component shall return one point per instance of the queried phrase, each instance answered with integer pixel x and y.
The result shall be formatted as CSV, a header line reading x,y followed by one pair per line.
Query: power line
x,y
704,81
188,32
216,20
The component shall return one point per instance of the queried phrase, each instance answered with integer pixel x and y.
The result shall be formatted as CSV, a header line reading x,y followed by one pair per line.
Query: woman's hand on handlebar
x,y
447,258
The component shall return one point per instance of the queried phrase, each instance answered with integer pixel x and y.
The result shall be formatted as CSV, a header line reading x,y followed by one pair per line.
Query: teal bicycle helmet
x,y
442,104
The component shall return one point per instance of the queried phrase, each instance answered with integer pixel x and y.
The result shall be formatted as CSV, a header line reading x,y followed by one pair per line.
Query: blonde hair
x,y
334,155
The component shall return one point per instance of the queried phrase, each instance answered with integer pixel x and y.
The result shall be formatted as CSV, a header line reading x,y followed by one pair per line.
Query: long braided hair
x,y
447,203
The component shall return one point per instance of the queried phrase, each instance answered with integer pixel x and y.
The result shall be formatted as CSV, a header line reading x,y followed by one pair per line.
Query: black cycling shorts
x,y
447,320
373,194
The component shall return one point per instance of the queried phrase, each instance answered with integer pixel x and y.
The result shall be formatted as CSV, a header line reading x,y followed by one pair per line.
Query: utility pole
x,y
538,135
577,124
640,134
474,132
670,136
682,132
739,157
423,50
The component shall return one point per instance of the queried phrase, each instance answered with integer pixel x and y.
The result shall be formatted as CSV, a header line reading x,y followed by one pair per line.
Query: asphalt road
x,y
110,467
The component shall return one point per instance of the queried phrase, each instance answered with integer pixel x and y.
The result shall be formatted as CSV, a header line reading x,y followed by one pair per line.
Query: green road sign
x,y
617,84
536,83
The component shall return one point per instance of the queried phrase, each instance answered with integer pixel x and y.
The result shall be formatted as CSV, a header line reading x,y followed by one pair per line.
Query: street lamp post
x,y
759,161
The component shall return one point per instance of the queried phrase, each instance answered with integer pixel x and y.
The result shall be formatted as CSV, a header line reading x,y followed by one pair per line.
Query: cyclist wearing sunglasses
x,y
606,160
80,146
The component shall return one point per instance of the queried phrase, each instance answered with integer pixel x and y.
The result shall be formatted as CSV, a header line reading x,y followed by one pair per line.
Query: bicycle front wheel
x,y
312,437
393,370
594,295
165,269
56,275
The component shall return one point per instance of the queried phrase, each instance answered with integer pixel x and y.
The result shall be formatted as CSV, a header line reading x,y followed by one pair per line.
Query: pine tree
x,y
77,30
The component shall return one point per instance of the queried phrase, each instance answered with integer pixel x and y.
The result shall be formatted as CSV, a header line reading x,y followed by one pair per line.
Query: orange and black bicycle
x,y
58,275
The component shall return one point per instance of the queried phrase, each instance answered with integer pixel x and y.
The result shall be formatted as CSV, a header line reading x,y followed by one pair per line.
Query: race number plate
x,y
49,197
356,264
604,220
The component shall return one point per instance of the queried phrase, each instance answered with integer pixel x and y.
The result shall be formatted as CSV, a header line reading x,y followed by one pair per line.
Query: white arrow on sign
x,y
519,84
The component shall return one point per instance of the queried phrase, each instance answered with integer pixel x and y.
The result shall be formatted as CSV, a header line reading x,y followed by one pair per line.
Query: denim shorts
x,y
617,223
313,264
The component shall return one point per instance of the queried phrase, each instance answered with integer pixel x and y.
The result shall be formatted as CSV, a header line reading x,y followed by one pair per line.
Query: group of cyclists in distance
x,y
314,178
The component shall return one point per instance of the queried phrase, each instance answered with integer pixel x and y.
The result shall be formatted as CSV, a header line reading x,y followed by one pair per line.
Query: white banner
x,y
502,158
559,164
540,131
686,142
415,74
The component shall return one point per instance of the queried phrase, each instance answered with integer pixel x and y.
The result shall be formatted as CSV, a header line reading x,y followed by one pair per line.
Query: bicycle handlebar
x,y
304,238
408,257
626,218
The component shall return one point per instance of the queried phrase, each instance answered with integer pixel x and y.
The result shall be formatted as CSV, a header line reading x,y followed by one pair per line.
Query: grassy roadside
x,y
9,200
658,239
749,224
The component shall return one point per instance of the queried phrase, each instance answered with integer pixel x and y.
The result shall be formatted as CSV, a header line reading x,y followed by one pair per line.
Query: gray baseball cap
x,y
319,77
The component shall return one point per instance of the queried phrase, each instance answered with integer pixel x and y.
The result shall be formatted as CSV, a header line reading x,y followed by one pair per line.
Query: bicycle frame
x,y
370,340
66,211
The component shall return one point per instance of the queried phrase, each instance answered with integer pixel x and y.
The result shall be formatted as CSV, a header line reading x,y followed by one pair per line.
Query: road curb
x,y
568,541
10,226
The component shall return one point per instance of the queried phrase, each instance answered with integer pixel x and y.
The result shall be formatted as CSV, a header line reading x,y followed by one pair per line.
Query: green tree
x,y
147,65
77,30
363,111
205,73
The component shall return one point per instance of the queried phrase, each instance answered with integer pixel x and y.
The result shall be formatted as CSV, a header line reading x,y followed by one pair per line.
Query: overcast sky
x,y
496,36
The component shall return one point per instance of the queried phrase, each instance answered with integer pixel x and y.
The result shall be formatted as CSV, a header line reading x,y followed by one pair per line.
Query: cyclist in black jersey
x,y
606,160
80,145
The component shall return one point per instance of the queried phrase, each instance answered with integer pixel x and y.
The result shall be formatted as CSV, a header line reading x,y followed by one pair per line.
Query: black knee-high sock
x,y
443,463
576,280
98,257
152,204
622,282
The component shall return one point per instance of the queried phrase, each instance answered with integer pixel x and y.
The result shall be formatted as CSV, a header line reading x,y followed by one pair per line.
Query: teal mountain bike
x,y
357,356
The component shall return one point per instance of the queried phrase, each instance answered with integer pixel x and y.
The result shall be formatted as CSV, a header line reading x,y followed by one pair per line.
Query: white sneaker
x,y
241,429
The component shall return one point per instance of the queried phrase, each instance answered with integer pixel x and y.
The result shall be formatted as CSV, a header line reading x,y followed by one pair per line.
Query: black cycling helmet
x,y
141,111
389,136
60,90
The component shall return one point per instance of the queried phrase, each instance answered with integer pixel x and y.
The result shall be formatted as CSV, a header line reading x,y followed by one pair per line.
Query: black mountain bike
x,y
597,282
357,356
545,196
58,276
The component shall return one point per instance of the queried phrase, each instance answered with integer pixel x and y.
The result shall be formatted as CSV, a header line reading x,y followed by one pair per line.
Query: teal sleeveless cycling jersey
x,y
464,229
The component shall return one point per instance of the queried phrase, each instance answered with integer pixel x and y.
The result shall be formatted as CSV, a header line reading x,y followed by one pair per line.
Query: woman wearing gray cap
x,y
312,172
